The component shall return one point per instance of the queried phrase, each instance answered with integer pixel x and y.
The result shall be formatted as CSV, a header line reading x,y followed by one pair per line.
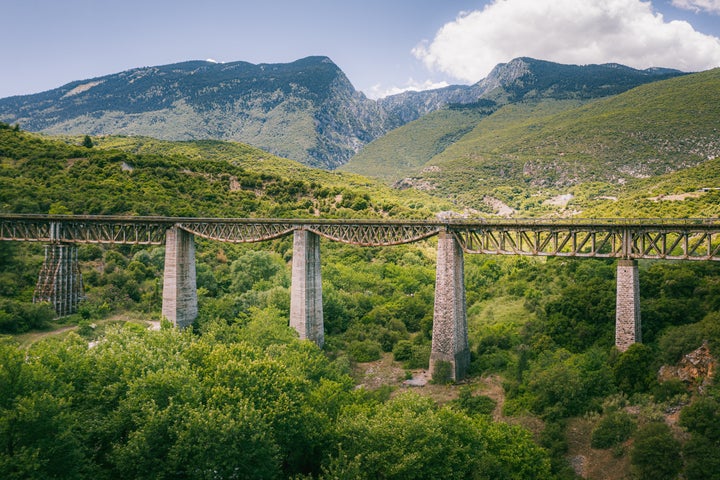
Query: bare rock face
x,y
696,369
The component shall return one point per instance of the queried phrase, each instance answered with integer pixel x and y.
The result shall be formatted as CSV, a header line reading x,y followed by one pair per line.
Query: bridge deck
x,y
684,239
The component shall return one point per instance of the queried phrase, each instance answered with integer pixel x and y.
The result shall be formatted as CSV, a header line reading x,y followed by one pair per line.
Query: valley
x,y
547,393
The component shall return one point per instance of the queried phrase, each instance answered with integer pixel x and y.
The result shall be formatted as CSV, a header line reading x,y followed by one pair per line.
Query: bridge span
x,y
626,240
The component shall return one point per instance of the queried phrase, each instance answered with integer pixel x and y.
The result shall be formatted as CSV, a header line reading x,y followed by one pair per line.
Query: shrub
x,y
442,372
420,357
635,369
613,429
19,317
364,350
474,404
669,389
656,453
403,351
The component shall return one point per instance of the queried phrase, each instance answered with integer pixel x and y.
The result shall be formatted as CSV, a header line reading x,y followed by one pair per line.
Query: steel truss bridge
x,y
671,239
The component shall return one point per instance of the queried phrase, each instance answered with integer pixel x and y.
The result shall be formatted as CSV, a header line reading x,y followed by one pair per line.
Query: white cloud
x,y
379,91
567,31
712,6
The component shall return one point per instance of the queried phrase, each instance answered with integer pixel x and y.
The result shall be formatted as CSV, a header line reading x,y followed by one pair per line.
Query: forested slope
x,y
240,397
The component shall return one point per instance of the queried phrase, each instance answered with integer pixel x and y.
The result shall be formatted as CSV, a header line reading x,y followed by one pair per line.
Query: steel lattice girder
x,y
683,239
632,241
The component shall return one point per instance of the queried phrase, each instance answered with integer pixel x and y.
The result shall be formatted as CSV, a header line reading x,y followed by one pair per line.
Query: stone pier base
x,y
450,331
180,303
627,316
306,310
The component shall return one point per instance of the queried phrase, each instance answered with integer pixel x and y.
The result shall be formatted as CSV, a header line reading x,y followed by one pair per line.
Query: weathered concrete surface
x,y
450,332
306,310
179,304
627,313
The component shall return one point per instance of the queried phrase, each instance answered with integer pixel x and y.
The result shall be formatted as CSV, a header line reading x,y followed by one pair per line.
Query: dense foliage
x,y
235,402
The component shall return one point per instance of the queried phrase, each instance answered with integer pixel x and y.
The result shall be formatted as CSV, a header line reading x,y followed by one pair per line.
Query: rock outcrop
x,y
696,369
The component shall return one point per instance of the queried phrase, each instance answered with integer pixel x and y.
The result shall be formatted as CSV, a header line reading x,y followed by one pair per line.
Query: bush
x,y
635,369
364,351
613,429
403,351
420,356
669,389
656,453
19,317
474,404
442,372
702,417
702,458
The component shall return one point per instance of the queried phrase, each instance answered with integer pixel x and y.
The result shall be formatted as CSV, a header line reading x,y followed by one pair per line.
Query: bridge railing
x,y
659,238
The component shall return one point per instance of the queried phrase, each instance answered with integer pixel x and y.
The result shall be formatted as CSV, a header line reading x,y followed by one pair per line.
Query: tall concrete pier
x,y
306,310
450,331
60,282
179,303
627,313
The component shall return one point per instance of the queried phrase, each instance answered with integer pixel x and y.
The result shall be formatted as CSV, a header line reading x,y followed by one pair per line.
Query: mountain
x,y
306,110
444,116
525,154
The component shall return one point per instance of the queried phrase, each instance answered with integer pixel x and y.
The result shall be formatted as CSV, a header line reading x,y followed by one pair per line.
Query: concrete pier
x,y
306,310
450,331
627,313
180,303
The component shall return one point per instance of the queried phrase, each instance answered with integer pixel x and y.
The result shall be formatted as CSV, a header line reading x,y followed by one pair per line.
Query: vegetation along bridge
x,y
624,239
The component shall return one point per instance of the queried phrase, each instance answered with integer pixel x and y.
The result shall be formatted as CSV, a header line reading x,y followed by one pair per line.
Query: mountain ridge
x,y
306,110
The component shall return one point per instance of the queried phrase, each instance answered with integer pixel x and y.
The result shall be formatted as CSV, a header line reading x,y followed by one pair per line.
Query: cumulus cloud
x,y
629,32
712,6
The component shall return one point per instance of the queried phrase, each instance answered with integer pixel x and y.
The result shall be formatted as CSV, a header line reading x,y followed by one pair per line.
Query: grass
x,y
60,327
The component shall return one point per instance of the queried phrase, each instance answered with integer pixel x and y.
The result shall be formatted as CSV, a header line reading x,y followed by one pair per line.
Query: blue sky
x,y
383,46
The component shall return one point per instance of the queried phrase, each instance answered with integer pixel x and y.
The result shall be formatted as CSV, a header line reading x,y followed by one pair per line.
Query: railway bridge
x,y
625,240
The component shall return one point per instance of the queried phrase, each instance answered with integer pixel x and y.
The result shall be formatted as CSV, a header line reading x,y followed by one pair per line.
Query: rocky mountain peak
x,y
306,110
506,73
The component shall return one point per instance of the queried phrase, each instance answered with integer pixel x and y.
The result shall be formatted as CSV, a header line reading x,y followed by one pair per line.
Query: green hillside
x,y
402,151
239,396
528,153
650,130
141,176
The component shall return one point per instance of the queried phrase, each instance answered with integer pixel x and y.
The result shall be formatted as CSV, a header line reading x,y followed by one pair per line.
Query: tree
x,y
656,453
410,438
87,142
634,372
613,429
702,451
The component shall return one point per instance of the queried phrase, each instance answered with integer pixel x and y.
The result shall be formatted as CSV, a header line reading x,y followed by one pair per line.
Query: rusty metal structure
x,y
60,281
670,239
